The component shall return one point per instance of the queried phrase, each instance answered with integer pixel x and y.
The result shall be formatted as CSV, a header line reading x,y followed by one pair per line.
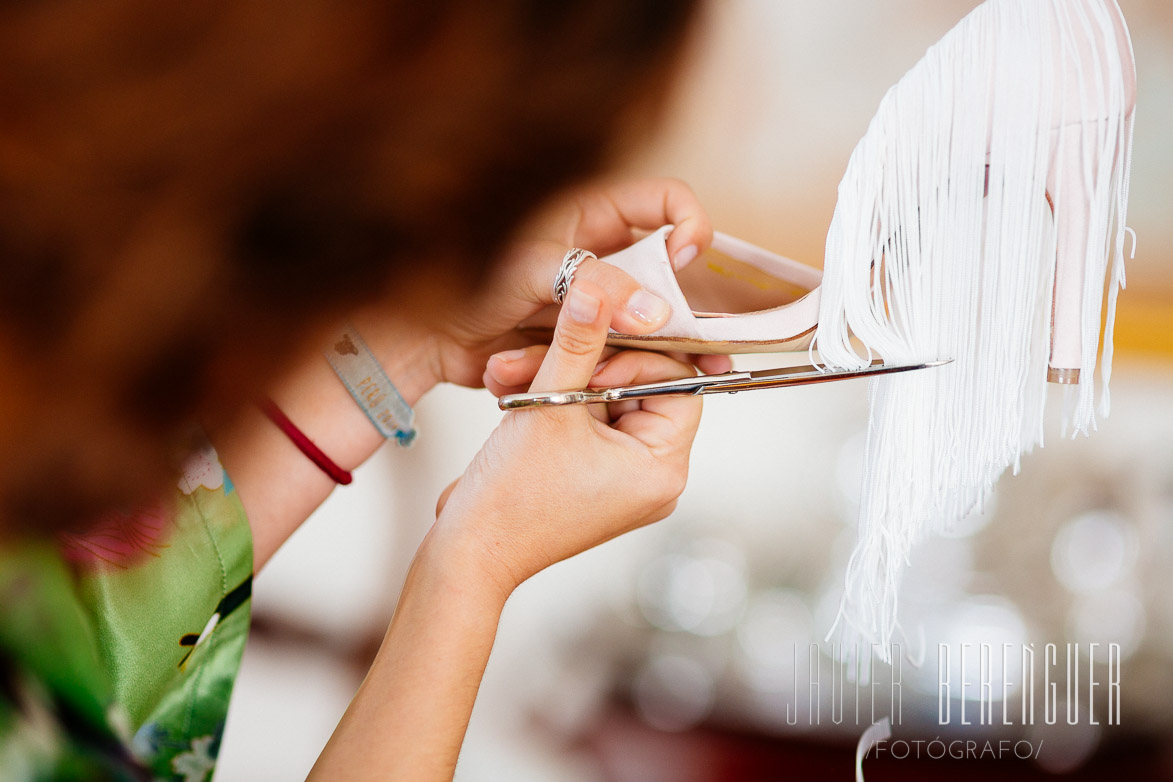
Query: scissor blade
x,y
809,375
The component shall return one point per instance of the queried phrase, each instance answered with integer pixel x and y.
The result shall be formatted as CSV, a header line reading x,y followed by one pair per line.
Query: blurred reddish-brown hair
x,y
189,186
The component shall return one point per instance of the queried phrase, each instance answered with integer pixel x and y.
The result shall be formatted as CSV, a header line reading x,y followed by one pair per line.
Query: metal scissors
x,y
726,383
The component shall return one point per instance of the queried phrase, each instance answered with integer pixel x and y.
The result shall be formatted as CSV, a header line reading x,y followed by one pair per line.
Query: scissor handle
x,y
544,399
685,386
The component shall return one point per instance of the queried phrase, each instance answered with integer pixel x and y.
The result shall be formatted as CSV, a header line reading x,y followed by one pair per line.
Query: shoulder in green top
x,y
119,647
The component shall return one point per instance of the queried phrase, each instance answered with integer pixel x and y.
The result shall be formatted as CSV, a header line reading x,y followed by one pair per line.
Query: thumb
x,y
579,339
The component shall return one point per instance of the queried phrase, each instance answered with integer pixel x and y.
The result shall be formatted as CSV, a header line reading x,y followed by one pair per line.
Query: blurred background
x,y
670,654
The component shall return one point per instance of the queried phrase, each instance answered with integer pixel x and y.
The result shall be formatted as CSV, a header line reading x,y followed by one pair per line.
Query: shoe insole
x,y
716,285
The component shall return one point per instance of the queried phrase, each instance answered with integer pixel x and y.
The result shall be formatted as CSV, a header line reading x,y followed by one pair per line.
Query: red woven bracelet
x,y
303,443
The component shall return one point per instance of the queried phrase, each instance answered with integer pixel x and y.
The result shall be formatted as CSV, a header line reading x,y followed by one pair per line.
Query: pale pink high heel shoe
x,y
749,275
743,299
734,298
771,303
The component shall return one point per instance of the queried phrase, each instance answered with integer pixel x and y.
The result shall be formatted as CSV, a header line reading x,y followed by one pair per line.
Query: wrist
x,y
320,405
469,563
407,353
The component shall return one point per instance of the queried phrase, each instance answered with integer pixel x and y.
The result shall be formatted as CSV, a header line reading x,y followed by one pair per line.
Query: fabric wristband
x,y
364,378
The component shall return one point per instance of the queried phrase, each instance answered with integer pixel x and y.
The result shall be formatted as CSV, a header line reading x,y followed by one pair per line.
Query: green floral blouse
x,y
119,647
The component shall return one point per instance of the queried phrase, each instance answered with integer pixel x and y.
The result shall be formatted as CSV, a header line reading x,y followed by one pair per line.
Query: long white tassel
x,y
922,263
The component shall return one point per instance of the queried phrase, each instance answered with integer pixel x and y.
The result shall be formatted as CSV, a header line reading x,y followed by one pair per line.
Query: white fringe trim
x,y
919,265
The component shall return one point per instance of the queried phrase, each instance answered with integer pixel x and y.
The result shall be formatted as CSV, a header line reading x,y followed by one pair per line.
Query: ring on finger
x,y
565,277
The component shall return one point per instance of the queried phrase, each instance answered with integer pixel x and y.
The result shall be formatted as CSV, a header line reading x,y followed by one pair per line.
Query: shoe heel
x,y
1067,192
1093,106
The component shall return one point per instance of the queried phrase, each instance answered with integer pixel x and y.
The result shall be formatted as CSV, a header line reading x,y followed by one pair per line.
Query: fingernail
x,y
602,365
583,307
684,256
508,356
646,307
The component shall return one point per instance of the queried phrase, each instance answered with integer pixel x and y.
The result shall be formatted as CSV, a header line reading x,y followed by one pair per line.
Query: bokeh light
x,y
673,692
1093,551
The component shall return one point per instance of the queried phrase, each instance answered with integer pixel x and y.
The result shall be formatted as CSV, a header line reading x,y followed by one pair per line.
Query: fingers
x,y
579,340
609,213
711,364
632,367
657,423
512,371
603,223
639,366
633,309
660,422
665,424
708,364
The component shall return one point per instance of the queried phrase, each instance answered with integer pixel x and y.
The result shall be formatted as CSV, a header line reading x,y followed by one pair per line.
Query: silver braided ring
x,y
570,262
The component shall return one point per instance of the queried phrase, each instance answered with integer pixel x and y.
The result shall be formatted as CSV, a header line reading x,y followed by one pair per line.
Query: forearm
x,y
408,719
278,486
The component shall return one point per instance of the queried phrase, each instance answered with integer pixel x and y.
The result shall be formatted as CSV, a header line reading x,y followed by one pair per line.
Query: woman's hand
x,y
555,481
602,219
549,483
